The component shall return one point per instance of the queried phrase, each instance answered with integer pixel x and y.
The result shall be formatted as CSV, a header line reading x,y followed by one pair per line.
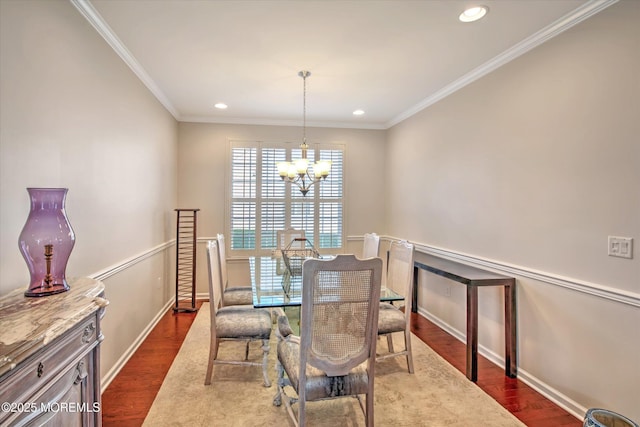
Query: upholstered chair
x,y
391,319
234,323
334,356
231,295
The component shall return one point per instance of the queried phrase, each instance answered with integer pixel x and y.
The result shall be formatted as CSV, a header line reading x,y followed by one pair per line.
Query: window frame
x,y
289,200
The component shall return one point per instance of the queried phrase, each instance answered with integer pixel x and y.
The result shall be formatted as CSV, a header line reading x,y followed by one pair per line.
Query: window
x,y
261,203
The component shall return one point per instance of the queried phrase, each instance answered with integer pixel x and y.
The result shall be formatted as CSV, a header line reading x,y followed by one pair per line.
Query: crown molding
x,y
575,17
275,122
95,19
91,14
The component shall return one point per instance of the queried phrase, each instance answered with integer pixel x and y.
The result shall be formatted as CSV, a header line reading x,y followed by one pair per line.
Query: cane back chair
x,y
334,356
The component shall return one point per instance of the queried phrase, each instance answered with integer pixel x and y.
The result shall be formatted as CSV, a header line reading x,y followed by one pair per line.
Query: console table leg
x,y
414,296
472,333
511,345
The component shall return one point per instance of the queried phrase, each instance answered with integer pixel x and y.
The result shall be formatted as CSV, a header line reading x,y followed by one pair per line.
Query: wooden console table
x,y
50,356
473,278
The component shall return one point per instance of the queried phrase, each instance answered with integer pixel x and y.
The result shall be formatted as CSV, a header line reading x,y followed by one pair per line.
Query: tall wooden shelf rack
x,y
186,260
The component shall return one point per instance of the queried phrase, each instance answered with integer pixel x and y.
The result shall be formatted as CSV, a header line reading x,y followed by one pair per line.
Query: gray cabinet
x,y
50,358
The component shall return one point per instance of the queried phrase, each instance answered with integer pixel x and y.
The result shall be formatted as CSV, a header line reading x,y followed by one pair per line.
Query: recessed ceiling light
x,y
221,106
358,112
473,13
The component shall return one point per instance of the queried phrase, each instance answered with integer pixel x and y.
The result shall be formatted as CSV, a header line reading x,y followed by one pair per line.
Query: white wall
x,y
73,115
531,168
515,169
202,169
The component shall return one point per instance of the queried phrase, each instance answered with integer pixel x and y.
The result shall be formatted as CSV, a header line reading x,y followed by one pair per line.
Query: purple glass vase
x,y
46,241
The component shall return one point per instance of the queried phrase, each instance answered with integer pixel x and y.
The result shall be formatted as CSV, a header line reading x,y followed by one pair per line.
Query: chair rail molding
x,y
595,289
112,271
131,261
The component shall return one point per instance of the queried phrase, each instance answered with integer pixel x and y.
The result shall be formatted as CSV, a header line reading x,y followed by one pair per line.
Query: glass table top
x,y
273,286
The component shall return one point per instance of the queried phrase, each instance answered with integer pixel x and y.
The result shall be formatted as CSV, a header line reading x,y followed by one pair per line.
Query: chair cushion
x,y
243,322
238,296
390,319
319,385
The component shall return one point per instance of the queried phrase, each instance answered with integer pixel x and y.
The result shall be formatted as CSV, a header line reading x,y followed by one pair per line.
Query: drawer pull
x,y
88,332
81,372
40,369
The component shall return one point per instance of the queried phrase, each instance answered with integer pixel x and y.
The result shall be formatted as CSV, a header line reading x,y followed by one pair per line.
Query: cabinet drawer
x,y
41,367
66,403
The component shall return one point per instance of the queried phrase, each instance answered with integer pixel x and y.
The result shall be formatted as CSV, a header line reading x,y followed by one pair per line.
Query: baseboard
x,y
113,372
550,393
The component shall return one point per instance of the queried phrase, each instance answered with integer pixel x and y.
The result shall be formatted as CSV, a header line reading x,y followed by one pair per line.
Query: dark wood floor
x,y
525,403
130,395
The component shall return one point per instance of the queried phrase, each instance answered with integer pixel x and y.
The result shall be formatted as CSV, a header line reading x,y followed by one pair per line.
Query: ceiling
x,y
389,58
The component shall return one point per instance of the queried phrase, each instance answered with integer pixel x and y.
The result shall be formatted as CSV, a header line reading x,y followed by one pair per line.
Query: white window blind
x,y
261,203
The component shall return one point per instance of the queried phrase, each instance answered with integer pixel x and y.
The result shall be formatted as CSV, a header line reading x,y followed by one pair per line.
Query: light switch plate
x,y
620,247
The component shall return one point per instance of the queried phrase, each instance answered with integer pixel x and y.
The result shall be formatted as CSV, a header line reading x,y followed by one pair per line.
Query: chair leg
x,y
282,382
277,399
265,359
407,346
302,413
246,351
369,412
390,343
213,355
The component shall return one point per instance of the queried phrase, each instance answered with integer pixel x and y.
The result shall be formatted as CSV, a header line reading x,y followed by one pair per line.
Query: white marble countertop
x,y
29,323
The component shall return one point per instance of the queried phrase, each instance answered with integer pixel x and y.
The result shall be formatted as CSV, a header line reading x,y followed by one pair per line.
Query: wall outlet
x,y
620,247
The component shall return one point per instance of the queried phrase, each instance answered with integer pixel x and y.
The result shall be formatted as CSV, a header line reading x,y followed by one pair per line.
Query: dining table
x,y
273,285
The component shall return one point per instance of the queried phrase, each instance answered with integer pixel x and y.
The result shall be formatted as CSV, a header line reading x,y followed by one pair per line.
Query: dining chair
x,y
391,319
334,356
370,245
234,323
231,295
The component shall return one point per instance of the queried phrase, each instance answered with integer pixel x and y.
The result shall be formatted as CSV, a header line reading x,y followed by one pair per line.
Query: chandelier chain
x,y
299,172
304,75
304,109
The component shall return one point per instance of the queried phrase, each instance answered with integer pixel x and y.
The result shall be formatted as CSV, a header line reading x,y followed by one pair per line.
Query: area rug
x,y
437,394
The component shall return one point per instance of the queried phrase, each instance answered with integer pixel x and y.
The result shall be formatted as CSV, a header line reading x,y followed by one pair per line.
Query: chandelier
x,y
300,172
